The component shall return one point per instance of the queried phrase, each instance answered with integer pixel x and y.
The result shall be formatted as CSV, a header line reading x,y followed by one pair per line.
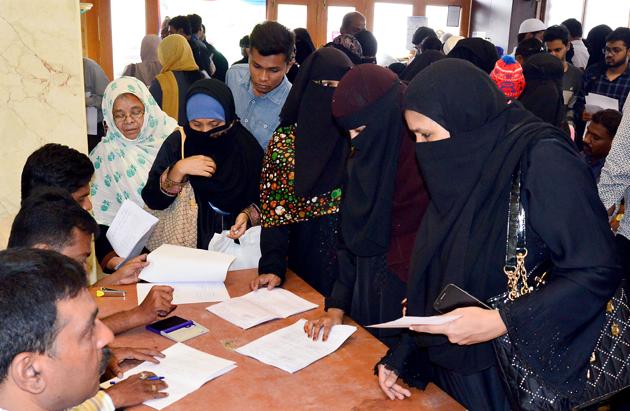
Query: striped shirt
x,y
100,402
614,181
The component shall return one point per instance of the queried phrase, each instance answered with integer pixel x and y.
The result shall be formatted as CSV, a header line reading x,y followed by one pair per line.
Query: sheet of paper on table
x,y
173,263
290,349
184,369
408,321
261,306
597,102
130,230
188,293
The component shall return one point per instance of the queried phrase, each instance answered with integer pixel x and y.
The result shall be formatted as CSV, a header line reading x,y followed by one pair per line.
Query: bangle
x,y
167,187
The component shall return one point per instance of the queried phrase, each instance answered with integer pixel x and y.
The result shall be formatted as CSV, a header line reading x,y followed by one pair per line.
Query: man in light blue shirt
x,y
260,87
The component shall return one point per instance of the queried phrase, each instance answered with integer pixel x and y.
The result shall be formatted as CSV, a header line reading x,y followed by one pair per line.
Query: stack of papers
x,y
406,322
597,102
184,370
290,349
130,230
261,306
196,275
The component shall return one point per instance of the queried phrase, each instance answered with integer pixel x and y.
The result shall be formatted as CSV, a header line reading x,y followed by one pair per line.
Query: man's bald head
x,y
352,23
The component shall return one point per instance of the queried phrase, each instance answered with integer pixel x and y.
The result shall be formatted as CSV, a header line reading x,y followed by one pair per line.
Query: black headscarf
x,y
304,46
595,43
422,33
419,63
543,88
235,184
478,51
370,96
468,177
320,146
369,46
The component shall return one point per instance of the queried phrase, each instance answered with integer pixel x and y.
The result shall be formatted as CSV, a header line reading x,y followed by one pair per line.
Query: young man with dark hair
x,y
557,41
181,25
598,139
352,23
220,62
580,52
528,48
52,345
51,220
260,88
612,77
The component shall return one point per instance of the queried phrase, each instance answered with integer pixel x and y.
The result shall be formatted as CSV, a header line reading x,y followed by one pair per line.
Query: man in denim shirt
x,y
260,87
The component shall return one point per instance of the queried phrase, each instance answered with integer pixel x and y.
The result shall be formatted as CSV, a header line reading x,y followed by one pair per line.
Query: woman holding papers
x,y
302,177
383,203
471,146
220,159
136,129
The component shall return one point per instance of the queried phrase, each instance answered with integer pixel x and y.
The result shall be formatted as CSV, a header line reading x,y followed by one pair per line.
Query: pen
x,y
109,292
155,378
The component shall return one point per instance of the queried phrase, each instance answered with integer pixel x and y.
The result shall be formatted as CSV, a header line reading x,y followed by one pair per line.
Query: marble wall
x,y
41,88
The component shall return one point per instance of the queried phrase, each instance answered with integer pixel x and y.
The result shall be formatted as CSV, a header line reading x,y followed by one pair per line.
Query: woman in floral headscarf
x,y
136,129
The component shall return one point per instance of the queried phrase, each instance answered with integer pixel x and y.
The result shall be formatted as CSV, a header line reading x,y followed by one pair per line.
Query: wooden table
x,y
341,381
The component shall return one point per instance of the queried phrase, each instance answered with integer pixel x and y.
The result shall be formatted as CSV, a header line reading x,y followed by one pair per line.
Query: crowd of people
x,y
378,185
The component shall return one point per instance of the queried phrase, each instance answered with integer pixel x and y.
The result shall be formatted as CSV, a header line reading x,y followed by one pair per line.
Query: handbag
x,y
608,370
178,222
246,250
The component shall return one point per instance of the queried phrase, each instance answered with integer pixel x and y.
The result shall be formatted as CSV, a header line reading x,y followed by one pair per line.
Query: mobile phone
x,y
453,297
169,324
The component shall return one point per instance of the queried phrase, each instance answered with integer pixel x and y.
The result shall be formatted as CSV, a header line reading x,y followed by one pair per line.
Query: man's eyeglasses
x,y
613,50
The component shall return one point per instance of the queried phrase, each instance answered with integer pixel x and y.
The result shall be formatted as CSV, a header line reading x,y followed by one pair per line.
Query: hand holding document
x,y
597,102
130,230
290,349
261,306
195,275
184,369
406,322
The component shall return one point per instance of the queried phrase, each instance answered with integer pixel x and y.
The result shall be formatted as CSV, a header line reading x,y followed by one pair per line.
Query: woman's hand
x,y
475,325
239,227
326,322
387,381
193,166
269,280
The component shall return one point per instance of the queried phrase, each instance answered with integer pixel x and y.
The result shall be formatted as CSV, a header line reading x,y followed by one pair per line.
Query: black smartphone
x,y
453,297
169,324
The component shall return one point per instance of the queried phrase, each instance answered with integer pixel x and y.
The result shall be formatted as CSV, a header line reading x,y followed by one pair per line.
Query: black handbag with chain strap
x,y
609,365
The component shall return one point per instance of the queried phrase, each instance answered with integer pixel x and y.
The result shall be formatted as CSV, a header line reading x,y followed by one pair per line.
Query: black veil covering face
x,y
320,146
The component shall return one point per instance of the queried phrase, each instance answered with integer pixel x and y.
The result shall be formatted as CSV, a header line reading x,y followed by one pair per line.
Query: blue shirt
x,y
259,114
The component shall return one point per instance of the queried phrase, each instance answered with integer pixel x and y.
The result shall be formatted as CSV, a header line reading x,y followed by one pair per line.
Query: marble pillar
x,y
41,88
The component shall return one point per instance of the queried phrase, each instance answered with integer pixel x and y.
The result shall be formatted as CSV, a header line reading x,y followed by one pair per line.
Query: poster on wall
x,y
413,23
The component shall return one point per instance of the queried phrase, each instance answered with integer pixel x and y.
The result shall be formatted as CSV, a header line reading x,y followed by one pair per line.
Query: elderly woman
x,y
218,156
179,72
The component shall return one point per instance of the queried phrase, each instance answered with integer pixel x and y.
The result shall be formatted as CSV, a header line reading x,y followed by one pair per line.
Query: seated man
x,y
260,88
53,344
56,165
598,139
50,219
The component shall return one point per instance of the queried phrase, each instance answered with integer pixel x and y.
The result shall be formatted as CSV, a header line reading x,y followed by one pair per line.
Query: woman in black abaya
x,y
469,143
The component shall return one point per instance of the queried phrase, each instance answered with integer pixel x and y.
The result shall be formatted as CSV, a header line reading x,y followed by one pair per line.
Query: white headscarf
x,y
122,165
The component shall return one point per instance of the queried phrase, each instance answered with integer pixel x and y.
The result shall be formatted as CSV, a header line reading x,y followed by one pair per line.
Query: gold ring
x,y
153,388
143,375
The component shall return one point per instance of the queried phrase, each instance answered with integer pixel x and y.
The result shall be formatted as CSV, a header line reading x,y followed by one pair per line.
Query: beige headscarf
x,y
150,66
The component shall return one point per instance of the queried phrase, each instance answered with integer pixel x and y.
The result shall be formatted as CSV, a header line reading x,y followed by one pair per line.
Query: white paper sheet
x,y
597,102
290,349
184,369
91,118
188,293
173,263
247,252
406,322
261,306
130,230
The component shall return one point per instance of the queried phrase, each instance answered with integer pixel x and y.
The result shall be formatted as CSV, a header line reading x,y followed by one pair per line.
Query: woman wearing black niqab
x,y
463,235
302,176
419,63
595,43
543,88
478,51
304,47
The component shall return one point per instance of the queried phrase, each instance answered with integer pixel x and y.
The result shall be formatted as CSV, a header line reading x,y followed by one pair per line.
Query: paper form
x,y
130,230
184,369
290,349
188,293
597,102
406,322
261,306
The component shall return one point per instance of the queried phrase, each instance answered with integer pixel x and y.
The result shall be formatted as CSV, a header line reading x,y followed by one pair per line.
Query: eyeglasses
x,y
613,50
135,115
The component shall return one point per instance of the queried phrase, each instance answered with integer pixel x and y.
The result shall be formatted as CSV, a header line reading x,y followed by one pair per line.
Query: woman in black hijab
x,y
470,142
478,51
543,88
304,47
369,46
595,43
301,182
221,159
383,203
419,63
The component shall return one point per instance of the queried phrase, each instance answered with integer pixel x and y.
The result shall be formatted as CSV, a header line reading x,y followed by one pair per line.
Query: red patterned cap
x,y
508,75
